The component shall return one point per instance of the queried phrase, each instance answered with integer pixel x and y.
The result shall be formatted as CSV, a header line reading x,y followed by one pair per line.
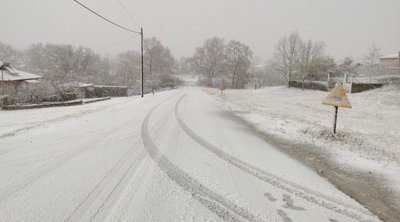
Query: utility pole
x,y
119,26
141,36
2,78
2,81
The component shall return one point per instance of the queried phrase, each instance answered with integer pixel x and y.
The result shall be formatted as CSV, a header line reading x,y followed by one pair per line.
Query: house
x,y
390,61
12,79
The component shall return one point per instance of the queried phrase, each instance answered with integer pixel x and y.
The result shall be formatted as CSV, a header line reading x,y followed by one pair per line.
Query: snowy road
x,y
175,156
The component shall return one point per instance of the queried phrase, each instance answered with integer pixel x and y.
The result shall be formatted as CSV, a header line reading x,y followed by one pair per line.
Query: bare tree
x,y
62,64
209,58
9,54
309,55
161,63
285,55
349,67
371,59
238,61
100,71
186,66
160,59
127,68
36,59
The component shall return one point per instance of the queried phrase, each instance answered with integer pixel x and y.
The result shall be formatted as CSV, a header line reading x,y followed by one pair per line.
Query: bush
x,y
29,93
112,91
169,81
163,81
36,93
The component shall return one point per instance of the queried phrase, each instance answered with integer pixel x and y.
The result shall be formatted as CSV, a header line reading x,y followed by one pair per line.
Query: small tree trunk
x,y
234,75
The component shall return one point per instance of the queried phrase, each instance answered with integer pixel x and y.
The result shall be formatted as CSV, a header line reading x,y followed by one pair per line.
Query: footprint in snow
x,y
289,203
284,216
269,196
333,220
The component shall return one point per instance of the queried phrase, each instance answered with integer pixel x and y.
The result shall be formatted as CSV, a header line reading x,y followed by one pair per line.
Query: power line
x,y
115,44
106,19
127,12
122,27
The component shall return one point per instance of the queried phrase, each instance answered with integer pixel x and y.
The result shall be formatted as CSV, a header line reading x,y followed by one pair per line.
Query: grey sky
x,y
348,27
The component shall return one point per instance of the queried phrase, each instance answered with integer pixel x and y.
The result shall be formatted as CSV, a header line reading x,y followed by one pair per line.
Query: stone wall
x,y
360,87
42,105
112,91
315,85
325,86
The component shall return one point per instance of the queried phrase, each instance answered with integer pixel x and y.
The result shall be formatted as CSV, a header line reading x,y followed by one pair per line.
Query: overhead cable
x,y
127,12
106,19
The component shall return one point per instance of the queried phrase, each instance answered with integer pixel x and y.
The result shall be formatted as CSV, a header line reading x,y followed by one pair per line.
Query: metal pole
x,y
335,120
2,81
141,35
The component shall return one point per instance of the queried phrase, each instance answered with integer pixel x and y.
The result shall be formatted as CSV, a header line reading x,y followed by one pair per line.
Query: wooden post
x,y
335,120
141,50
222,88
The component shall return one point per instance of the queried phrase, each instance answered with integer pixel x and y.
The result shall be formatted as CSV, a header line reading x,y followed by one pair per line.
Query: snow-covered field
x,y
368,134
175,156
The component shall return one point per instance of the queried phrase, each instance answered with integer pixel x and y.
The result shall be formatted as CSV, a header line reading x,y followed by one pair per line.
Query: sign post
x,y
337,98
335,121
222,88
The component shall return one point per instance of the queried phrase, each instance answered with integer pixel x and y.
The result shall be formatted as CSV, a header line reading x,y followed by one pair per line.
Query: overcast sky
x,y
348,27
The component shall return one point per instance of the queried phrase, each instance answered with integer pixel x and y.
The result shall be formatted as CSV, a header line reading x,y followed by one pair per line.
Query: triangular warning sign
x,y
337,97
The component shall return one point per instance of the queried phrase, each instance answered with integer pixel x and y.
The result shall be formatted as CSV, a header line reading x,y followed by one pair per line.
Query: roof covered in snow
x,y
78,84
392,56
8,73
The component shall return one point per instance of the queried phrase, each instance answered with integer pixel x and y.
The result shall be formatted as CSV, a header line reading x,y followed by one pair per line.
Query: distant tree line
x,y
294,58
297,59
62,64
217,58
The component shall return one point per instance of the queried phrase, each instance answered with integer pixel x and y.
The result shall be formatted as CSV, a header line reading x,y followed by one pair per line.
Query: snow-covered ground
x,y
368,134
175,156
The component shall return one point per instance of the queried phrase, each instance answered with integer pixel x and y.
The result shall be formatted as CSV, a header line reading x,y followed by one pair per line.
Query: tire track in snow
x,y
136,157
18,184
33,125
293,188
100,187
29,159
217,204
22,182
37,124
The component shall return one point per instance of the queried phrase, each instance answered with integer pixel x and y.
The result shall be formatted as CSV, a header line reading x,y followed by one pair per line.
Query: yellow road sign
x,y
337,97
